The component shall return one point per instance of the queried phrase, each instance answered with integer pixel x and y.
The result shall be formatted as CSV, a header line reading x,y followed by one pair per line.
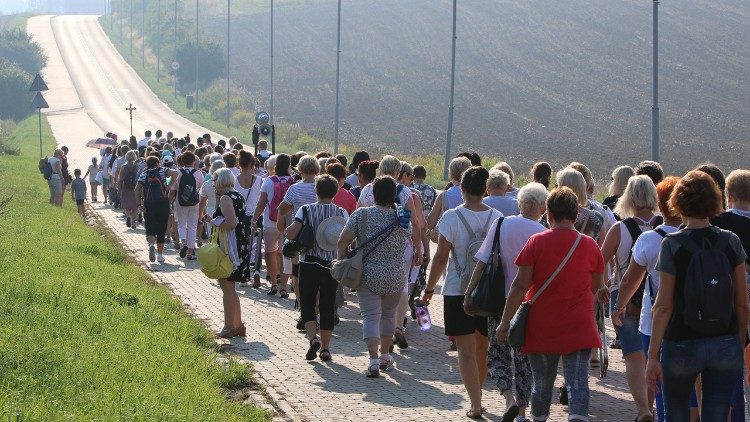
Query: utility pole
x,y
270,114
338,70
450,106
130,24
229,16
158,41
655,104
197,29
143,33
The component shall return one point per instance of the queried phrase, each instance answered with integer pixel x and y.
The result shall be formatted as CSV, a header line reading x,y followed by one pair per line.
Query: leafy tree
x,y
17,46
212,63
15,98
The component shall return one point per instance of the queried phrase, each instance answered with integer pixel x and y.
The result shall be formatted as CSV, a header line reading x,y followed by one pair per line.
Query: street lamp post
x,y
197,29
229,15
270,114
158,41
130,24
450,106
143,33
655,104
338,71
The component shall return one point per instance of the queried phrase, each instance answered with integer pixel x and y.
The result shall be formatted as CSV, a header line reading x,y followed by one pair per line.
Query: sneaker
x,y
564,395
373,371
510,414
151,252
183,251
300,324
312,352
160,258
400,339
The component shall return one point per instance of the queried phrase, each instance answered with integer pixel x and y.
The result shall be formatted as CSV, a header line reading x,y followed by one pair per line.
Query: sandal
x,y
283,294
325,355
373,371
471,414
386,363
313,350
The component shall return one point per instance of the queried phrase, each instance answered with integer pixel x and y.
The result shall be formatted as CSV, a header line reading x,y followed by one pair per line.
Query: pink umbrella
x,y
99,143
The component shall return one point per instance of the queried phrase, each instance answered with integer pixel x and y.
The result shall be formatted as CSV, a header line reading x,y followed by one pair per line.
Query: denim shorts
x,y
630,337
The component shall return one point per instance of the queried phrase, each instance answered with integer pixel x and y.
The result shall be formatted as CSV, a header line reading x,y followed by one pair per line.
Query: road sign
x,y
175,65
38,84
39,101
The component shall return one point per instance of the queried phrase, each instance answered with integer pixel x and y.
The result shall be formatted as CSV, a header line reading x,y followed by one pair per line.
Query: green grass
x,y
86,335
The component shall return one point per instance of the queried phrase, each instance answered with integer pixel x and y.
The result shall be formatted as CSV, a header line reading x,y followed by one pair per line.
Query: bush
x,y
212,63
15,98
16,46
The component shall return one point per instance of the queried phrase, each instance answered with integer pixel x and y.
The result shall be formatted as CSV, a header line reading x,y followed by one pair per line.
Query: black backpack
x,y
46,168
708,293
155,189
129,177
636,302
187,191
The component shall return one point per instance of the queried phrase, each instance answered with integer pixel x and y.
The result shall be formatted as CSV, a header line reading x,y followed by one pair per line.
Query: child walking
x,y
78,191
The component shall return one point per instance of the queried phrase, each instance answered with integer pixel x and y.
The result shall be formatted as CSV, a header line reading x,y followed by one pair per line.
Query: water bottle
x,y
423,315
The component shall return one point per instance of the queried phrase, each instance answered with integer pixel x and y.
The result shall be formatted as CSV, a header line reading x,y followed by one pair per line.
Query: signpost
x,y
131,109
39,103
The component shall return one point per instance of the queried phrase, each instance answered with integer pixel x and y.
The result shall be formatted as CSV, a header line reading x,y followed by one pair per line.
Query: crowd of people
x,y
665,255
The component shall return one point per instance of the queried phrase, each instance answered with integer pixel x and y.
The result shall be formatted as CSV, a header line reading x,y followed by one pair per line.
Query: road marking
x,y
98,68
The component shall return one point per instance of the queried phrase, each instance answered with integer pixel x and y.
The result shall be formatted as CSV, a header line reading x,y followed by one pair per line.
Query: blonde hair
x,y
457,168
390,166
498,179
308,165
505,168
738,185
587,176
640,193
223,178
131,156
573,179
270,164
620,178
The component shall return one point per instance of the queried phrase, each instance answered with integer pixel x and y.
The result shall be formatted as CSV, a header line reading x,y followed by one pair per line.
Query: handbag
x,y
305,239
348,270
488,297
215,263
517,329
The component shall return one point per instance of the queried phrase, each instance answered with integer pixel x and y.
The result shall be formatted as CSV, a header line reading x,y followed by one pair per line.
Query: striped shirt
x,y
316,213
299,194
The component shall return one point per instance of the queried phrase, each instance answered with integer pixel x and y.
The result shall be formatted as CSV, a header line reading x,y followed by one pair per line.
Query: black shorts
x,y
80,201
457,322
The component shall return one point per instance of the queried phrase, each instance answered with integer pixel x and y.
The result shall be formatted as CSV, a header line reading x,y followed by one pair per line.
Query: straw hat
x,y
328,232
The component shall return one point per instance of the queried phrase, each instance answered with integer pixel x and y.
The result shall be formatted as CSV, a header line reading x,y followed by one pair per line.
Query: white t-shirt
x,y
514,233
53,162
367,198
622,254
235,171
119,162
646,254
267,187
451,228
143,142
251,196
208,190
353,179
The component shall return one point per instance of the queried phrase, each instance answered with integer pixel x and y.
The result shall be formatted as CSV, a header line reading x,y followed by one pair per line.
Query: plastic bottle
x,y
423,316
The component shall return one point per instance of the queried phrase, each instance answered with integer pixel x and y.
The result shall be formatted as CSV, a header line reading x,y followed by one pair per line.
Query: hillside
x,y
546,79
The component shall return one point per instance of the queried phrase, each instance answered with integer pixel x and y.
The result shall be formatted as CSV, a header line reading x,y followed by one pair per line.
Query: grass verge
x,y
84,334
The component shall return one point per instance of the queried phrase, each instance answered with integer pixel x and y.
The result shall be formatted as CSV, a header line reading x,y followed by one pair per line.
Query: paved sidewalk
x,y
424,384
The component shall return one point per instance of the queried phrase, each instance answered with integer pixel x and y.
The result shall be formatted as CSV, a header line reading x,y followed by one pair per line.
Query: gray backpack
x,y
475,242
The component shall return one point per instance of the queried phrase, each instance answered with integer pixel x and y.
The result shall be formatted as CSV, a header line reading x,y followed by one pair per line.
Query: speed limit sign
x,y
175,65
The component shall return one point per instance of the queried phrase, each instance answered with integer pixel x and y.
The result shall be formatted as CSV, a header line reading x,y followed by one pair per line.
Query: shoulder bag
x,y
305,239
517,330
488,297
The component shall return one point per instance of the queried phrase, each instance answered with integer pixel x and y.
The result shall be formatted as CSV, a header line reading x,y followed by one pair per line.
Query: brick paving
x,y
424,384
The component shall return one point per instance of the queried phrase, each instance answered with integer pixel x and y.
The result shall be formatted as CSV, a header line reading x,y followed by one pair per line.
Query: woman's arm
x,y
227,210
293,230
611,243
346,239
662,312
442,254
740,300
628,286
436,211
516,294
416,231
202,206
284,209
262,202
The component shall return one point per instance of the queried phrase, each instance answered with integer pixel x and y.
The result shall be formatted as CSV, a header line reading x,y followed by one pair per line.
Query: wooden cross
x,y
131,109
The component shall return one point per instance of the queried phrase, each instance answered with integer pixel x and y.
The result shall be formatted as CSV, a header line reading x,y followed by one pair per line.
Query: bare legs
x,y
472,365
634,364
232,312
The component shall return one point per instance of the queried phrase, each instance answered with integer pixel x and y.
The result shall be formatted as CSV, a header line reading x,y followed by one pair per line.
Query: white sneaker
x,y
160,258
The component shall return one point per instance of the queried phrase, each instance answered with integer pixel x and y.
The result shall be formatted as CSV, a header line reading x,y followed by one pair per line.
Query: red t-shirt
x,y
561,321
345,200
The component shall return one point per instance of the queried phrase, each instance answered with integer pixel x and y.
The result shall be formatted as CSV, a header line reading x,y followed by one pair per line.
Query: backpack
x,y
45,168
636,302
279,190
475,242
708,294
129,177
187,191
154,189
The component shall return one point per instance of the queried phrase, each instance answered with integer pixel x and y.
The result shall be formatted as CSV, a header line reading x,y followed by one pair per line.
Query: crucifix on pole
x,y
131,109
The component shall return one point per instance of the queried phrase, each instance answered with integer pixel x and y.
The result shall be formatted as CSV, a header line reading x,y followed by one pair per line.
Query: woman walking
x,y
151,193
382,276
248,185
127,178
459,230
315,279
567,268
228,217
699,331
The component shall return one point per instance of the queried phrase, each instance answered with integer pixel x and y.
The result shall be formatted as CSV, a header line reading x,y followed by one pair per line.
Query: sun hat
x,y
168,159
165,153
328,232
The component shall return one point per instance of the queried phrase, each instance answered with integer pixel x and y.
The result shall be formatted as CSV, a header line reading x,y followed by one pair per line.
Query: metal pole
x,y
143,33
338,68
130,24
450,106
41,154
120,18
229,14
270,114
158,42
655,105
197,26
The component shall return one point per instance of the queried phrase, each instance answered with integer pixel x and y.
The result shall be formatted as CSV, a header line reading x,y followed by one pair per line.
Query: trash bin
x,y
190,100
